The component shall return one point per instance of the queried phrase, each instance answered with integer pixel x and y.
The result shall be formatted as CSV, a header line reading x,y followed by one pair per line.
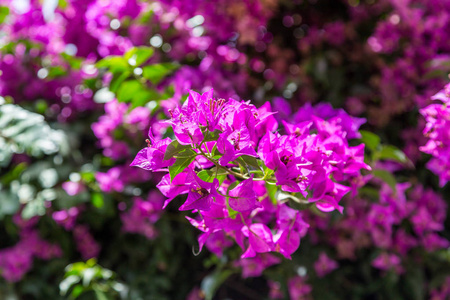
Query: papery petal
x,y
243,196
260,238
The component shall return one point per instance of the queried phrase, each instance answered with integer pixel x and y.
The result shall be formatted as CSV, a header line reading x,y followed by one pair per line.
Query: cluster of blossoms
x,y
32,62
117,130
241,175
406,80
393,229
424,24
80,28
143,214
117,123
215,39
407,36
17,260
437,132
247,177
85,31
396,225
85,242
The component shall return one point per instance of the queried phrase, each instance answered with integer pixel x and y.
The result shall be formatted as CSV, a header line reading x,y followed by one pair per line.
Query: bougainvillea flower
x,y
152,157
260,239
201,194
243,197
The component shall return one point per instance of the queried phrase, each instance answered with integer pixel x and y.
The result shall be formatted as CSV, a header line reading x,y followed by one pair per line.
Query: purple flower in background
x,y
299,289
86,244
17,260
253,267
66,218
111,180
437,131
142,216
324,265
386,261
73,188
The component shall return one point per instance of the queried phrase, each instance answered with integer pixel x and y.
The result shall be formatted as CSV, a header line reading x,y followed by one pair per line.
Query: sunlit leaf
x,y
157,72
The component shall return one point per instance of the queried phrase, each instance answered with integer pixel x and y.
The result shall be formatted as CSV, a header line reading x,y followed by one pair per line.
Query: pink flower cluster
x,y
17,260
66,218
299,289
85,242
142,215
115,131
119,121
437,130
228,157
396,224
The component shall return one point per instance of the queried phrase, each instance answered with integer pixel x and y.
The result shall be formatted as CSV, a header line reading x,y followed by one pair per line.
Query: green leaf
x,y
174,148
77,291
88,275
114,64
4,12
231,212
232,186
432,74
35,207
271,191
9,203
136,56
181,163
413,283
14,173
25,131
128,89
280,196
212,136
251,161
212,282
56,71
371,140
97,200
387,177
206,175
88,176
118,78
100,295
369,192
157,72
390,152
209,175
215,152
62,4
74,62
144,96
67,283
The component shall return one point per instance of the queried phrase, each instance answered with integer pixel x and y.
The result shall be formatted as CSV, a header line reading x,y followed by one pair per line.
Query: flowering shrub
x,y
436,130
235,168
83,83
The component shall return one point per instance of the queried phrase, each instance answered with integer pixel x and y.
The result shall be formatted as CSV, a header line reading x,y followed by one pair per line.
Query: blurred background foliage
x,y
82,81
